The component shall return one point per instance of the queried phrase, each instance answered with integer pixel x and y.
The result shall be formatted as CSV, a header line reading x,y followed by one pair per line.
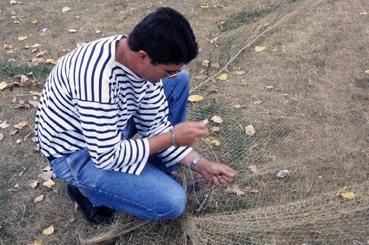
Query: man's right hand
x,y
188,133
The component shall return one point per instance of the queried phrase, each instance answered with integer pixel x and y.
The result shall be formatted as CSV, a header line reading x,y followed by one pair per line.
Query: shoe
x,y
96,215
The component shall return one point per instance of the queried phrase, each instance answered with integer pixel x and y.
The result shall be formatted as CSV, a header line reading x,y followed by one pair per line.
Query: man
x,y
99,95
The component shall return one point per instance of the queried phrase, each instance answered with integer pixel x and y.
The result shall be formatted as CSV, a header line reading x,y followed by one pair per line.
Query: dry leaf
x,y
37,61
366,71
49,183
235,189
97,31
205,63
20,125
4,125
348,195
66,9
283,173
213,141
1,137
217,119
253,168
49,230
223,77
18,141
195,98
215,65
251,190
22,38
35,93
3,85
13,132
72,30
250,130
40,54
363,13
257,102
51,61
204,6
237,106
34,184
270,87
212,88
34,21
38,199
37,242
46,175
215,129
239,73
259,48
7,46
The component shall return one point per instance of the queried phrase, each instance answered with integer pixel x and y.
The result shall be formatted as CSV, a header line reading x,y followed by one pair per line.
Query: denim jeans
x,y
153,195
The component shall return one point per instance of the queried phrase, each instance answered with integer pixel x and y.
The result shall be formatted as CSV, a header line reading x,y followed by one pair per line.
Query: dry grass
x,y
313,122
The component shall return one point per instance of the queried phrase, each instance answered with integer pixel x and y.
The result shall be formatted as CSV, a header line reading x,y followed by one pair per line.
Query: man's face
x,y
154,73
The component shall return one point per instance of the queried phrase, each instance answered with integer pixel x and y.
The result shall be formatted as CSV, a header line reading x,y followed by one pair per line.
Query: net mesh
x,y
309,120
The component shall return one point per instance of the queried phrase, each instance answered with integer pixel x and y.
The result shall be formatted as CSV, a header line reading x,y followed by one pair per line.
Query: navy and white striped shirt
x,y
86,103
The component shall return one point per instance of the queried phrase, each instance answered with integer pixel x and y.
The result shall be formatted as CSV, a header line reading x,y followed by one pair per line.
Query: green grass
x,y
9,69
245,16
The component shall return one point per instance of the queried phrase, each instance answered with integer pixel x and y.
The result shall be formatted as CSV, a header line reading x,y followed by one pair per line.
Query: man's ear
x,y
143,57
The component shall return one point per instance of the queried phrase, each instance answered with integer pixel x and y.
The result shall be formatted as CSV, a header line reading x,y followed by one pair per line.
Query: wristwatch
x,y
195,161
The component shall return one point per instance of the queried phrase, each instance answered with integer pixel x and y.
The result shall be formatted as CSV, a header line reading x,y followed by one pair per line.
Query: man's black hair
x,y
166,36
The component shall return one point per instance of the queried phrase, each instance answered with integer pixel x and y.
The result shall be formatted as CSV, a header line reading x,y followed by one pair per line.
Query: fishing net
x,y
304,170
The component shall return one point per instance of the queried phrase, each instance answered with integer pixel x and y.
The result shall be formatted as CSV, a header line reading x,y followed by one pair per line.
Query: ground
x,y
306,95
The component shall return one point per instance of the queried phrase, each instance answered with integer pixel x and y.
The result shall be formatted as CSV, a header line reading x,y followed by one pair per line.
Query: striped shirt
x,y
87,101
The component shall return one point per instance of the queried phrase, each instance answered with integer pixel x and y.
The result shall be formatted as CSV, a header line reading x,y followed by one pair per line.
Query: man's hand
x,y
188,133
217,173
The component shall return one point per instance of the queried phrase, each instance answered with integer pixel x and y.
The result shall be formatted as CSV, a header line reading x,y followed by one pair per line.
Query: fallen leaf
x,y
253,168
7,46
3,85
215,129
363,13
215,65
223,77
34,21
18,141
46,175
49,230
217,119
13,132
235,189
4,125
35,93
205,63
237,106
16,186
37,61
270,87
97,31
1,137
51,61
348,195
20,125
66,9
72,30
37,242
40,54
38,199
43,31
212,88
204,6
239,73
49,183
283,174
366,71
257,102
195,98
251,190
213,141
250,130
34,184
259,48
22,38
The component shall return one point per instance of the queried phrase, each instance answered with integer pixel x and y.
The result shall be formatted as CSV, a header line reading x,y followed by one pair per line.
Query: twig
x,y
239,124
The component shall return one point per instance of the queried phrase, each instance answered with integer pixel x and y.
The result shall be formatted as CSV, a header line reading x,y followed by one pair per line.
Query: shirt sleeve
x,y
152,119
107,148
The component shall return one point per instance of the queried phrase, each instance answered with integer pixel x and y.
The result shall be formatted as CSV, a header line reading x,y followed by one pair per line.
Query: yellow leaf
x,y
259,48
37,242
223,77
66,9
204,6
7,46
20,125
195,98
213,141
348,195
3,86
34,21
49,230
51,61
366,71
35,93
22,38
49,183
72,30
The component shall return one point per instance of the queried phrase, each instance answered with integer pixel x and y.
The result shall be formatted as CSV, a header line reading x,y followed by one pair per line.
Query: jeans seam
x,y
129,201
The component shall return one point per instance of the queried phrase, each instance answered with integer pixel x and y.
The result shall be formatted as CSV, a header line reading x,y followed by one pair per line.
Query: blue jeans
x,y
153,195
